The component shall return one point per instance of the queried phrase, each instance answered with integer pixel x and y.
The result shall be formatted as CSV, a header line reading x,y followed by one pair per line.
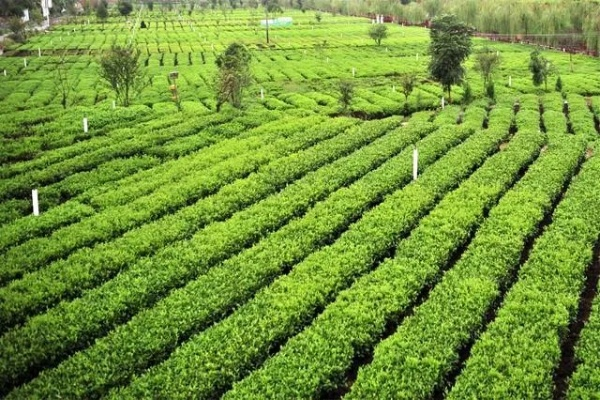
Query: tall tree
x,y
486,61
121,69
378,32
234,75
449,47
540,68
102,12
270,6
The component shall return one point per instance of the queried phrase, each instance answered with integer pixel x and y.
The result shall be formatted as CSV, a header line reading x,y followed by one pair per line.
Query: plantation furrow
x,y
217,355
130,188
519,352
156,279
316,361
32,226
142,184
60,135
585,381
20,186
422,352
57,155
91,266
110,171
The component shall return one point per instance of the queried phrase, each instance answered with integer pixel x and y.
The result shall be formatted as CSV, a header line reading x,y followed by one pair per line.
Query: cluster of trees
x,y
567,23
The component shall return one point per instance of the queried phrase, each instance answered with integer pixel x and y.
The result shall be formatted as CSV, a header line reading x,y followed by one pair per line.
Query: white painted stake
x,y
114,105
262,94
443,102
212,46
393,88
25,62
510,81
327,60
39,52
85,125
353,72
415,163
36,204
417,56
4,72
386,49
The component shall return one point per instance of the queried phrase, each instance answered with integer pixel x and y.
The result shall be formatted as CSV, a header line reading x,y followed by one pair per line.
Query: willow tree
x,y
450,46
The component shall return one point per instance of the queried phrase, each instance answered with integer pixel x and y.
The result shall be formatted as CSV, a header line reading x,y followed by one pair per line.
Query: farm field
x,y
285,250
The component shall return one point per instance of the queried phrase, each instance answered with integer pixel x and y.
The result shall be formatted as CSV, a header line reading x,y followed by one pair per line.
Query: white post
x,y
327,60
212,46
510,81
393,88
39,52
85,125
262,94
386,49
36,204
114,105
353,72
415,163
25,62
4,72
417,56
443,102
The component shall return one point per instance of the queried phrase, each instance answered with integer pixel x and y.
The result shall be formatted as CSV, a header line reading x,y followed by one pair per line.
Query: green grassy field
x,y
284,250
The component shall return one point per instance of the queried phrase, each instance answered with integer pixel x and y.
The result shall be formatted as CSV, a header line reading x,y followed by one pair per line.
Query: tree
x,y
540,68
125,7
234,75
486,61
318,16
102,12
408,82
17,27
121,69
15,7
378,32
449,47
346,93
270,6
62,83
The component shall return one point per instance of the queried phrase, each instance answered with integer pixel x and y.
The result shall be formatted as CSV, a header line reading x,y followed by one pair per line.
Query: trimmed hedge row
x,y
88,267
170,173
520,350
585,382
423,351
316,361
230,349
175,266
20,185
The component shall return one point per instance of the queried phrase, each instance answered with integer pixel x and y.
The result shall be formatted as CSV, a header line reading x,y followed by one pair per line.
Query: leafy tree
x,y
15,7
62,83
125,7
408,83
270,6
346,89
121,69
486,61
318,16
378,32
102,12
540,68
559,85
234,75
17,27
449,47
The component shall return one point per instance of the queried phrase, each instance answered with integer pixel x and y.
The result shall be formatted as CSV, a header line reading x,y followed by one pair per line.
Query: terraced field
x,y
286,250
